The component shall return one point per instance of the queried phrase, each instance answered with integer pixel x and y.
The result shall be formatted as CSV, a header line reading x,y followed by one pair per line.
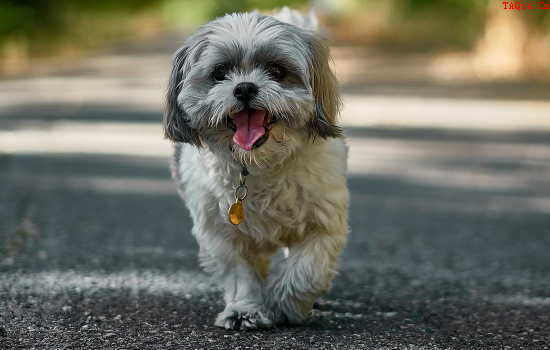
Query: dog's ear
x,y
176,121
325,91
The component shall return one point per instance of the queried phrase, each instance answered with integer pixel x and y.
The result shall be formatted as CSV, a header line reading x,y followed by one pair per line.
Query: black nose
x,y
245,91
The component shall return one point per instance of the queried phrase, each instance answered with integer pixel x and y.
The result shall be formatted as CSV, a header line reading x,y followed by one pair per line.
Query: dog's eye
x,y
277,71
220,73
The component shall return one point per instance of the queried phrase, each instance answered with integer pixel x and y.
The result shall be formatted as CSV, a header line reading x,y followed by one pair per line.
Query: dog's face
x,y
251,87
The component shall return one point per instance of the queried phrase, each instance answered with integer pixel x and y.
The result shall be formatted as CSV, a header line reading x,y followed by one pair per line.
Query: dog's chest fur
x,y
284,200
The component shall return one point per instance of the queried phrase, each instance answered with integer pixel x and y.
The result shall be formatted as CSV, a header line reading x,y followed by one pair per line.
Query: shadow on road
x,y
449,228
19,116
99,248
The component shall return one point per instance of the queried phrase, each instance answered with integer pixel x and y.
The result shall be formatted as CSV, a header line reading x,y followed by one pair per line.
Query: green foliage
x,y
191,14
437,24
452,9
223,7
414,23
455,22
26,16
15,18
37,22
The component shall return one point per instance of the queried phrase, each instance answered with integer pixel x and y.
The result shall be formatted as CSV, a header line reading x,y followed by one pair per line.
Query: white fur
x,y
308,21
297,194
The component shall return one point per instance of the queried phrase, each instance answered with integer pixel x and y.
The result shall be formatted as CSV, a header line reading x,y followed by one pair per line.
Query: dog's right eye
x,y
276,71
220,72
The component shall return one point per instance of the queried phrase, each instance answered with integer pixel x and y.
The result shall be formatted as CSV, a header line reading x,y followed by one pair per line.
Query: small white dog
x,y
253,98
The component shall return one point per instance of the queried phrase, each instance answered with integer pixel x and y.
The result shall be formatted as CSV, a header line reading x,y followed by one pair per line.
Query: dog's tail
x,y
306,21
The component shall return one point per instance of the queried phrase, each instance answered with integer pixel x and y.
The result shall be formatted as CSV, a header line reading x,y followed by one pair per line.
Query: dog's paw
x,y
287,314
243,320
290,310
279,317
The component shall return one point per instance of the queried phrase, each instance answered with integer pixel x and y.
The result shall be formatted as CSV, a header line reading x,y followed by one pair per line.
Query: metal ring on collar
x,y
245,192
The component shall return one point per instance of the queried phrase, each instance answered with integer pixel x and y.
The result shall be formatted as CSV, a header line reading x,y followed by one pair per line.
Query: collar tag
x,y
236,212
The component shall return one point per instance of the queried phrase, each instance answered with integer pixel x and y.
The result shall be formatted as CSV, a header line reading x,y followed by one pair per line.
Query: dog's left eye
x,y
276,71
220,73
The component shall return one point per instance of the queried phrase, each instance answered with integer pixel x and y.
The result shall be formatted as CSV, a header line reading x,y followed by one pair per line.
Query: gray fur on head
x,y
244,47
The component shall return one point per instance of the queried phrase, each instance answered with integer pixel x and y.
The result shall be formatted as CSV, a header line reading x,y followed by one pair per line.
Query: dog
x,y
251,107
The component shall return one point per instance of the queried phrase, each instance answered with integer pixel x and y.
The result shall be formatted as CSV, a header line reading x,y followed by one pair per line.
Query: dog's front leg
x,y
244,289
304,275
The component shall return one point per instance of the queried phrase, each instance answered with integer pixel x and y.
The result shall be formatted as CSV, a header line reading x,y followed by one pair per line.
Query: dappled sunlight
x,y
452,176
491,165
415,112
138,92
139,139
152,282
474,204
111,184
446,112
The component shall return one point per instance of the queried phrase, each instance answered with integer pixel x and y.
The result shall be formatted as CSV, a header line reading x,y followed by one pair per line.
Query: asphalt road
x,y
449,244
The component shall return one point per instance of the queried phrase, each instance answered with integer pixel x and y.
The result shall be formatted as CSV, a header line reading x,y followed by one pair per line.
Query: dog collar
x,y
236,212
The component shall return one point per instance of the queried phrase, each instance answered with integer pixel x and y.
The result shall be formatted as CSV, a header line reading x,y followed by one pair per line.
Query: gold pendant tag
x,y
236,212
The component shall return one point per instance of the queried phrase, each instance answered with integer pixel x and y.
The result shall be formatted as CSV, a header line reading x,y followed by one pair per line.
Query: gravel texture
x,y
448,247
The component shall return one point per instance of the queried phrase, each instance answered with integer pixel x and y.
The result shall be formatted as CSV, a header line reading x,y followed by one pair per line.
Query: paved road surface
x,y
448,250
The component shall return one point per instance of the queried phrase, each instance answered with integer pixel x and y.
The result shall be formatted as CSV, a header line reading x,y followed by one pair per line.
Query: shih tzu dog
x,y
260,162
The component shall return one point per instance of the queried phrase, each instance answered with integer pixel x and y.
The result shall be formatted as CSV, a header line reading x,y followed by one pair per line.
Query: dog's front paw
x,y
243,319
286,312
279,316
289,306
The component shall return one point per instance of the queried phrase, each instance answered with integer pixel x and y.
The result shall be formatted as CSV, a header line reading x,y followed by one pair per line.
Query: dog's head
x,y
251,87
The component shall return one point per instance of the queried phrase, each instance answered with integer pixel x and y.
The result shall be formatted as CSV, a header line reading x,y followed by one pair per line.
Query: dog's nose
x,y
245,91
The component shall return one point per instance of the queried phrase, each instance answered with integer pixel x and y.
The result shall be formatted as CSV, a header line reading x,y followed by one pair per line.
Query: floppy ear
x,y
176,121
325,92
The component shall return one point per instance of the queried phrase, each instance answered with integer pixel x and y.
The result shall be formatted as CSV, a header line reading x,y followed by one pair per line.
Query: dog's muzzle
x,y
251,126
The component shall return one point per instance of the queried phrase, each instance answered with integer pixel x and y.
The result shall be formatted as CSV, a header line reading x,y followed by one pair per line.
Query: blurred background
x,y
447,116
472,49
453,93
449,99
479,38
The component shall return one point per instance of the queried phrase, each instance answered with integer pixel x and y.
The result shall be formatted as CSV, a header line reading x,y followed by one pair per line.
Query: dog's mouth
x,y
251,127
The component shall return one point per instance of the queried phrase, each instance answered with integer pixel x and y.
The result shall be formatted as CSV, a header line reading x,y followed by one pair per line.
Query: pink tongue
x,y
250,127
